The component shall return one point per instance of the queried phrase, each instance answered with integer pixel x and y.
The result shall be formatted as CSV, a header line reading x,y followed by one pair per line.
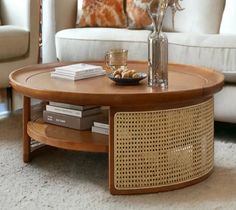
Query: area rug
x,y
60,179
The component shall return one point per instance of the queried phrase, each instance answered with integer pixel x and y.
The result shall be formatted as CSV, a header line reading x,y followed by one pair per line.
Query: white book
x,y
104,131
71,106
63,76
81,73
101,125
72,112
79,67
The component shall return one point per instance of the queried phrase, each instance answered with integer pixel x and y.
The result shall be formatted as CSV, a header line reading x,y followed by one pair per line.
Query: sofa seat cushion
x,y
213,51
91,43
14,42
225,103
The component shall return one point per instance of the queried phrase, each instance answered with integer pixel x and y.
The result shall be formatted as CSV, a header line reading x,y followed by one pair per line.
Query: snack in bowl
x,y
128,74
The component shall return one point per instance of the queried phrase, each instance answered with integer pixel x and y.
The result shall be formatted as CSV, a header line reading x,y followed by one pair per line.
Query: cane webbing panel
x,y
162,148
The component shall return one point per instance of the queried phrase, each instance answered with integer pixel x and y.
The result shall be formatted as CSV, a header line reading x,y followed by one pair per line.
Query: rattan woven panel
x,y
161,148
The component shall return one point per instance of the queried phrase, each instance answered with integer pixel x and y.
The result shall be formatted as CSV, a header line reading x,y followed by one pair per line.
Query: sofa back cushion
x,y
198,16
228,25
102,13
137,15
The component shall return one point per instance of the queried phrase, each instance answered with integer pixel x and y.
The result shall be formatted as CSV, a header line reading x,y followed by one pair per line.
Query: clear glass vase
x,y
158,60
158,48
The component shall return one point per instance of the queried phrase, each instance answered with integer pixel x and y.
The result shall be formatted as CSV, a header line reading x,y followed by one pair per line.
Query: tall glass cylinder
x,y
157,60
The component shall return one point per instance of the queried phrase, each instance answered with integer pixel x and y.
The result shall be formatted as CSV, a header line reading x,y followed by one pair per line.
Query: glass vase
x,y
158,60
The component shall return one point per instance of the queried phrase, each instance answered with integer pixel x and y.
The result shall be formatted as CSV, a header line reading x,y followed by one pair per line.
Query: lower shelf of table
x,y
67,138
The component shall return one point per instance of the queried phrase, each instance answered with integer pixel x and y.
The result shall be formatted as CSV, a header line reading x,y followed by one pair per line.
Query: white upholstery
x,y
228,25
54,21
14,42
225,104
23,15
74,44
213,51
183,47
198,16
196,41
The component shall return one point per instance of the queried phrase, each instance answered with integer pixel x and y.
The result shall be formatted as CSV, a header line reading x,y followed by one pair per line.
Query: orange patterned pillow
x,y
101,13
138,17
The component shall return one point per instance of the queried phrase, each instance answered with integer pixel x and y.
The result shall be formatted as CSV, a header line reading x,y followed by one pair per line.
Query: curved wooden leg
x,y
26,137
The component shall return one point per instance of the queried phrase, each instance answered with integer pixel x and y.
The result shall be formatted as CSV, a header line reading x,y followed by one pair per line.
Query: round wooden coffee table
x,y
159,140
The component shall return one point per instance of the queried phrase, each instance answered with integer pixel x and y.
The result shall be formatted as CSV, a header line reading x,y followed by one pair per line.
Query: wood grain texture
x,y
188,85
185,83
26,137
66,138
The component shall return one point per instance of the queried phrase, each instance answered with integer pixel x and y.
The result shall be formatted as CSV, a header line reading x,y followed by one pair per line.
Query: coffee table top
x,y
185,83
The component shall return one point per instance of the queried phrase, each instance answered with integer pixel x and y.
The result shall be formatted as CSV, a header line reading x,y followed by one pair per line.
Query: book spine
x,y
70,121
73,112
63,76
100,130
57,76
101,125
65,111
82,72
63,120
71,106
67,106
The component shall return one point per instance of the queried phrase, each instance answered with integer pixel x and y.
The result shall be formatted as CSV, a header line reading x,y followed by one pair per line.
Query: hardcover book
x,y
79,68
73,112
84,123
101,125
100,130
77,77
71,106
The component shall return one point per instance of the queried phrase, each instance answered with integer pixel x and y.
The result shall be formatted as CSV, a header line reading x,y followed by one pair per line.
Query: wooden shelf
x,y
67,138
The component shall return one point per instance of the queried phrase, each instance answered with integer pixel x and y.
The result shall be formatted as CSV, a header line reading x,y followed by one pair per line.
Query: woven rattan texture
x,y
161,148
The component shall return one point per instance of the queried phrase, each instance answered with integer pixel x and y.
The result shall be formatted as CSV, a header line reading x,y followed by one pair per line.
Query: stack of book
x,y
100,127
78,71
72,116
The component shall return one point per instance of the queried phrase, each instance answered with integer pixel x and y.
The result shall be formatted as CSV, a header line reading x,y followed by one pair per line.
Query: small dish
x,y
128,81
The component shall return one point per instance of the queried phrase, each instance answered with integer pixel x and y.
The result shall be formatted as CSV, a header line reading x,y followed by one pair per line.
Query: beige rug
x,y
73,180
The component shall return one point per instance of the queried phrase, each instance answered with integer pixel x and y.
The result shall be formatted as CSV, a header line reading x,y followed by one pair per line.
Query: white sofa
x,y
203,36
19,38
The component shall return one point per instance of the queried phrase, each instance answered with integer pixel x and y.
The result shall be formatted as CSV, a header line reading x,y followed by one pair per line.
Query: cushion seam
x,y
100,40
194,46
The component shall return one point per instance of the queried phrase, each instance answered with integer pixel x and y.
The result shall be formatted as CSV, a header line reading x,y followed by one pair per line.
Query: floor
x,y
4,109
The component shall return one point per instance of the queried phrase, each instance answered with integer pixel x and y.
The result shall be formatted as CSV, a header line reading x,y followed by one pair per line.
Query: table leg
x,y
26,137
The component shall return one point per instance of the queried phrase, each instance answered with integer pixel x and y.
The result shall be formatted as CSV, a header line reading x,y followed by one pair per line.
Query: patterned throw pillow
x,y
138,17
101,13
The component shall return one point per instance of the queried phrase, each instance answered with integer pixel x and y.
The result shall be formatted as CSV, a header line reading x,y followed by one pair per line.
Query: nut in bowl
x,y
126,77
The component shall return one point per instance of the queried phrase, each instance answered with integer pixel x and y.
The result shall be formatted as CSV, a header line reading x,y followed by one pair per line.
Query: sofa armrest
x,y
15,12
57,15
25,14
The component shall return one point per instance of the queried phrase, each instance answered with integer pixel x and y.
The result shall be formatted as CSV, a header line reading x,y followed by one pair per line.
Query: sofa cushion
x,y
228,25
225,103
101,13
213,51
198,16
92,43
14,42
137,14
